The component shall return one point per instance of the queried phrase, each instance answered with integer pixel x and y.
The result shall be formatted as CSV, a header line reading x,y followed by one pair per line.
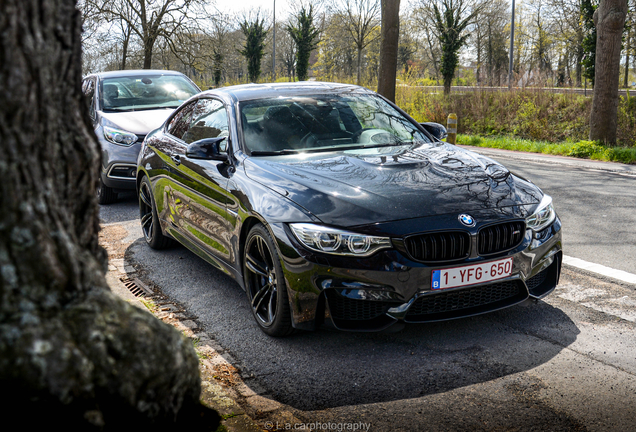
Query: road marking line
x,y
600,269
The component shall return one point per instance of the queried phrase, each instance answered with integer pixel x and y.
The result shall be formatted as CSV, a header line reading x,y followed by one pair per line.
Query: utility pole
x,y
512,45
274,47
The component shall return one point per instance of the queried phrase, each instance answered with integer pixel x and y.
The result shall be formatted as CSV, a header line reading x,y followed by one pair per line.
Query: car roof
x,y
134,72
245,92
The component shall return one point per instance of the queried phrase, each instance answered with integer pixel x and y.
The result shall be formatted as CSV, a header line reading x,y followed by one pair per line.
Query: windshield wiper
x,y
134,108
274,152
118,109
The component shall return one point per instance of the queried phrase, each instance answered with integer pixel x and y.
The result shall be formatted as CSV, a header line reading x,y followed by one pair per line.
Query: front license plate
x,y
472,274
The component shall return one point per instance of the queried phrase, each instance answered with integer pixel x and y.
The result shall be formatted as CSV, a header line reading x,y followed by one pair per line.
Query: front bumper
x,y
370,294
119,164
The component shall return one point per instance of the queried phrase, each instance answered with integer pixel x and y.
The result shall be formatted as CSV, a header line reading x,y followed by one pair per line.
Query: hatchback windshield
x,y
134,93
324,122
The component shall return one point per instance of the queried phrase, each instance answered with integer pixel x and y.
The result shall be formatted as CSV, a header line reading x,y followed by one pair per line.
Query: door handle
x,y
176,158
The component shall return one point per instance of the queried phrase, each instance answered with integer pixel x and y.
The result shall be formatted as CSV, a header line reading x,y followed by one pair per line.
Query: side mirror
x,y
88,89
208,148
435,129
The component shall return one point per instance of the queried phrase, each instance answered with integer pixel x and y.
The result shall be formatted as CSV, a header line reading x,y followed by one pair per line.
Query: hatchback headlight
x,y
543,216
332,241
119,137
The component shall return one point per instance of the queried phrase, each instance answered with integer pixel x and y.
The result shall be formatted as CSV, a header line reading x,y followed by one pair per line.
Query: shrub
x,y
587,150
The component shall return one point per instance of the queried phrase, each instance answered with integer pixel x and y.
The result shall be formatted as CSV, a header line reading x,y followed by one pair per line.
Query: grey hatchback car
x,y
125,106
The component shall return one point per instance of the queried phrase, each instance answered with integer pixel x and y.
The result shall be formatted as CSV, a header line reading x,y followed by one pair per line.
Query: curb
x,y
221,385
225,385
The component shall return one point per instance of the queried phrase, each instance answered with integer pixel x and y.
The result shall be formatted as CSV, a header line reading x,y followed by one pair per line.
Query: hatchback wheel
x,y
265,284
149,219
105,194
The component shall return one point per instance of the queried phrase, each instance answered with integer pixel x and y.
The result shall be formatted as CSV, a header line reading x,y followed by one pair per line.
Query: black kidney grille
x,y
439,246
463,299
501,237
344,308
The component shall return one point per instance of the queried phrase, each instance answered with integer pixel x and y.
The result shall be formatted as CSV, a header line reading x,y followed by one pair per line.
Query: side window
x,y
209,120
181,121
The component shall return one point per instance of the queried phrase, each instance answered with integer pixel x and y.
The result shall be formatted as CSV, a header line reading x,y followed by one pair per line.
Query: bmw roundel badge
x,y
467,220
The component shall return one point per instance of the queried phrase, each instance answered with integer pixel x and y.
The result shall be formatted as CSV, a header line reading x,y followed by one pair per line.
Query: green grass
x,y
581,149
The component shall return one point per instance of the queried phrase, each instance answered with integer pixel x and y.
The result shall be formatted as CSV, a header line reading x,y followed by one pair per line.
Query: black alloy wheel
x,y
265,283
149,219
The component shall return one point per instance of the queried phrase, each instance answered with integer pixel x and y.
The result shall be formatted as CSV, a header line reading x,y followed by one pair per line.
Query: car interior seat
x,y
111,93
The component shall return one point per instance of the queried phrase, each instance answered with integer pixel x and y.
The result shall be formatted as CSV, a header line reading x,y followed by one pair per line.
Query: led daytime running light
x,y
332,241
543,216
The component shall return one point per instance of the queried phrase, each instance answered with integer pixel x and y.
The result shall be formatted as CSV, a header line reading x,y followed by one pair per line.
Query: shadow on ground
x,y
317,370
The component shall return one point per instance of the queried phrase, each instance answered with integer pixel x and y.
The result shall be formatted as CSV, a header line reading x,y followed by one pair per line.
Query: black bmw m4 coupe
x,y
330,205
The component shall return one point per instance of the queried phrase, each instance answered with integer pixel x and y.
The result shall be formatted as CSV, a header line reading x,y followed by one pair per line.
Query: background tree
x,y
306,38
254,48
589,40
360,18
154,20
71,352
450,28
390,35
609,19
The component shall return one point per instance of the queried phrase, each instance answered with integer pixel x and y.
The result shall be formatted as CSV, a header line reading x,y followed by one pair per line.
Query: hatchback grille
x,y
501,237
451,301
438,246
344,308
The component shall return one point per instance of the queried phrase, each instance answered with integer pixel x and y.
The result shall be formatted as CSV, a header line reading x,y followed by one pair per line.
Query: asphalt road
x,y
566,363
598,208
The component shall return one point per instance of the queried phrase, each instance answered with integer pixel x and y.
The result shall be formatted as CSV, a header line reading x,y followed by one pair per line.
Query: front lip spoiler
x,y
400,312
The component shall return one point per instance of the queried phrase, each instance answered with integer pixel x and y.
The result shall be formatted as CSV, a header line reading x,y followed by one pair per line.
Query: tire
x,y
265,284
149,220
105,195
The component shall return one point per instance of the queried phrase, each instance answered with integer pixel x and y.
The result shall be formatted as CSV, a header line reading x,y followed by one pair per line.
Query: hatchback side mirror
x,y
435,129
208,148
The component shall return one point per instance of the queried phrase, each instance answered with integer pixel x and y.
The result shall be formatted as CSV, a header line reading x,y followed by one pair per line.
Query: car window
x,y
324,122
209,120
181,120
145,92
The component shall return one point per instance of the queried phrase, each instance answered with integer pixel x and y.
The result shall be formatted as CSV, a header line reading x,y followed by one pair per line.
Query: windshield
x,y
324,122
135,93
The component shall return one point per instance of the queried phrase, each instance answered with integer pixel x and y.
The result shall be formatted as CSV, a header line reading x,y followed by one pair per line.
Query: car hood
x,y
137,122
349,188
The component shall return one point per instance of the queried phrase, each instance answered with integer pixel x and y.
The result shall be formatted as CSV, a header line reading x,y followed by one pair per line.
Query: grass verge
x,y
581,149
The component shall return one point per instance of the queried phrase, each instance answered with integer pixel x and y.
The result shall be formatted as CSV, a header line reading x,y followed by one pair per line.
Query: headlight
x,y
119,137
543,216
332,241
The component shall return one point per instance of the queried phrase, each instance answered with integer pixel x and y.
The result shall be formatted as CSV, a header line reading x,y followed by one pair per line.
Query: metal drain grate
x,y
136,287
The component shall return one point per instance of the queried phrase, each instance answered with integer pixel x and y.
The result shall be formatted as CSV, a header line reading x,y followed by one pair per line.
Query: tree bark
x,y
71,352
609,19
390,35
627,50
359,67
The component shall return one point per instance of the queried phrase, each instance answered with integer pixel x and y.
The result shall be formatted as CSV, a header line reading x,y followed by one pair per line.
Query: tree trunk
x,y
124,54
609,19
390,35
148,44
627,49
359,67
71,352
